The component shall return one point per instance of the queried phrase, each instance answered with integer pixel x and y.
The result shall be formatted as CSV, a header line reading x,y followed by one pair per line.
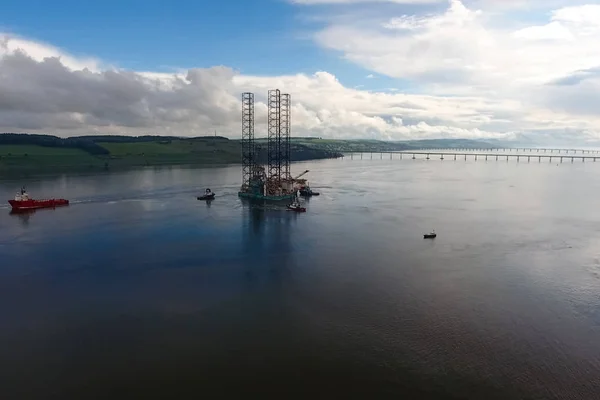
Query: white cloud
x,y
9,44
339,2
480,52
370,76
45,90
490,4
462,46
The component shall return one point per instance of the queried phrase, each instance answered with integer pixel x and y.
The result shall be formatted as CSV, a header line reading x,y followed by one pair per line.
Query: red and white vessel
x,y
22,201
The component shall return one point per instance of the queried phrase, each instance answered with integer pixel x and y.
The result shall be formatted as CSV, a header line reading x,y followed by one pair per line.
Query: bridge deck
x,y
470,154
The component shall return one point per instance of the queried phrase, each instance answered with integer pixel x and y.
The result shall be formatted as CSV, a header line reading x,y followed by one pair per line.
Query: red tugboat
x,y
22,201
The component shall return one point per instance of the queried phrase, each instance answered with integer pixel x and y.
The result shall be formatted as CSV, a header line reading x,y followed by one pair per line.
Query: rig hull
x,y
260,197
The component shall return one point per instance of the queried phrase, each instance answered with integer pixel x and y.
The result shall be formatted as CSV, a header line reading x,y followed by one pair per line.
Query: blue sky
x,y
258,37
463,68
150,34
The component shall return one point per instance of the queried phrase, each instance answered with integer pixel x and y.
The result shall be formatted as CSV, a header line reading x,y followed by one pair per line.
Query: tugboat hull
x,y
308,193
33,204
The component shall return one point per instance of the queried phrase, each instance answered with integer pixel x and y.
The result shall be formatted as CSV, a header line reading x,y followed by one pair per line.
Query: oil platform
x,y
273,181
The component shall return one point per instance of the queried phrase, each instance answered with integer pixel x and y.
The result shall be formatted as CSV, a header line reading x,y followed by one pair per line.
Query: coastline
x,y
30,171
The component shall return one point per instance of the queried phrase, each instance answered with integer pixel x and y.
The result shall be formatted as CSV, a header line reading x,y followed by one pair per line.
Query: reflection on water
x,y
139,288
22,215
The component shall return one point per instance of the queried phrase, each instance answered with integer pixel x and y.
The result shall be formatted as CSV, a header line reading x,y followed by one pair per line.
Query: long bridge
x,y
489,154
510,149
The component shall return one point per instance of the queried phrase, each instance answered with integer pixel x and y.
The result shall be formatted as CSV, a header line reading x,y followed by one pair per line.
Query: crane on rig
x,y
301,175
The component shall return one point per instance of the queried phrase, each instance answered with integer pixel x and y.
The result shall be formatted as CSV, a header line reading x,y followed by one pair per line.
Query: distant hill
x,y
85,144
453,144
36,153
368,145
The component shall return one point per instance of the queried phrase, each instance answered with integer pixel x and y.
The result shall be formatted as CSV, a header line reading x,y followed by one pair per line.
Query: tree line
x,y
81,143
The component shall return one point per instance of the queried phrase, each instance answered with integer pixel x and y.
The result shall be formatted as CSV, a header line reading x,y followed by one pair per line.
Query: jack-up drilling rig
x,y
273,183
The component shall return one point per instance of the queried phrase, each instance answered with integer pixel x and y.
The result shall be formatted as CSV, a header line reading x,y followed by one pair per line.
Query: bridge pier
x,y
528,158
572,158
496,157
540,159
518,159
442,157
414,157
427,157
455,158
391,155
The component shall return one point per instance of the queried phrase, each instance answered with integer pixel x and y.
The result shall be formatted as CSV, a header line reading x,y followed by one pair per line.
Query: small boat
x,y
295,207
431,235
307,192
208,195
22,201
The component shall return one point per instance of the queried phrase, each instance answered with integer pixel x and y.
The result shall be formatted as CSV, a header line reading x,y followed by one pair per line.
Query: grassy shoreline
x,y
26,160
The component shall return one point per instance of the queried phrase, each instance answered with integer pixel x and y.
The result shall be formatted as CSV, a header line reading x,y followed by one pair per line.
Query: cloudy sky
x,y
387,69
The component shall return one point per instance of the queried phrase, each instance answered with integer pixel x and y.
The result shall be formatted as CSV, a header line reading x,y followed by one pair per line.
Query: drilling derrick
x,y
248,147
274,144
285,129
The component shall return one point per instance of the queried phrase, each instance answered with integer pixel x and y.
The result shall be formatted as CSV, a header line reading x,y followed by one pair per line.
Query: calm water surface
x,y
138,290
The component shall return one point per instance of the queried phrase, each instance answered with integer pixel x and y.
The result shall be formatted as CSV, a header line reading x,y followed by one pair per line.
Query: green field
x,y
198,151
21,158
20,150
29,158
